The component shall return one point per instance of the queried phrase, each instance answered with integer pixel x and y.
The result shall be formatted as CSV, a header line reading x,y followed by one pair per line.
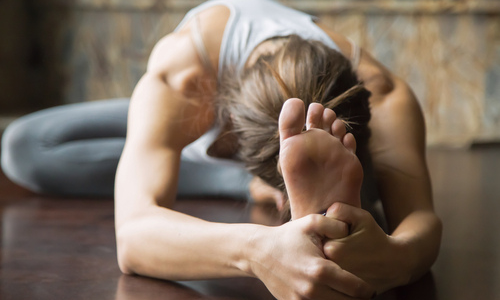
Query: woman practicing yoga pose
x,y
324,129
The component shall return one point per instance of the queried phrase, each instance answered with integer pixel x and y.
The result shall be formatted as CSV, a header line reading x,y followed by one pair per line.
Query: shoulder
x,y
391,96
175,61
376,78
176,57
176,92
397,120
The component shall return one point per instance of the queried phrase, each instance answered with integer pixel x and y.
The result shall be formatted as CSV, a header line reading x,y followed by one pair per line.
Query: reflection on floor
x,y
57,248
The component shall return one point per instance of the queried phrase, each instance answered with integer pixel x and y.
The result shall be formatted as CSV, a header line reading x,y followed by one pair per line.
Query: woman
x,y
216,91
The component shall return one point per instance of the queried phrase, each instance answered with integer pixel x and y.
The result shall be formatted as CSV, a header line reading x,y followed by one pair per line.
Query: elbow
x,y
434,246
424,253
439,233
124,251
434,236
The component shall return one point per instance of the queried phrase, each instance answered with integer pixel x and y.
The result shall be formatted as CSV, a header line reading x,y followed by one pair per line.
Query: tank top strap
x,y
200,45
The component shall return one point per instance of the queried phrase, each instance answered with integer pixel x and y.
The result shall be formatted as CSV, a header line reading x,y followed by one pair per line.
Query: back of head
x,y
308,70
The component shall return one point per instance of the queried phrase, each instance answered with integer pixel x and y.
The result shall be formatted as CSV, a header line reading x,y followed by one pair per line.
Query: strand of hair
x,y
344,96
284,89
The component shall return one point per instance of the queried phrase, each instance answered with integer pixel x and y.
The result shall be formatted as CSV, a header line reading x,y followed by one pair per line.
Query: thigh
x,y
66,147
81,121
51,127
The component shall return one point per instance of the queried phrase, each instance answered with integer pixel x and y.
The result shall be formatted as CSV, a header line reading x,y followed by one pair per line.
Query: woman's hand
x,y
367,251
289,260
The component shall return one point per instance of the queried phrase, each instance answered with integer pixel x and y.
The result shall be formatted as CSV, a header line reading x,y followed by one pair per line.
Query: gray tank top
x,y
252,22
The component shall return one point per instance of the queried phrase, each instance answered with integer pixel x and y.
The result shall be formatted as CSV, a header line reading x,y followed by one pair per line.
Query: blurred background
x,y
55,52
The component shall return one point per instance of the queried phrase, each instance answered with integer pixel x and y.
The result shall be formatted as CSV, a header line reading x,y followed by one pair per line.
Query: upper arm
x,y
172,105
168,110
397,147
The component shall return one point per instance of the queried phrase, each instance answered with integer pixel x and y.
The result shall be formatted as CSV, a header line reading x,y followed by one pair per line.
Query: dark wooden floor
x,y
56,248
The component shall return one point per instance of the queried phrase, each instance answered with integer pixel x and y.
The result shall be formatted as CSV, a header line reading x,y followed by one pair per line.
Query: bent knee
x,y
18,157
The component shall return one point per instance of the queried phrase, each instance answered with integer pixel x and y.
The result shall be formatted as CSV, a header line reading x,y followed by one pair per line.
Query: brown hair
x,y
304,69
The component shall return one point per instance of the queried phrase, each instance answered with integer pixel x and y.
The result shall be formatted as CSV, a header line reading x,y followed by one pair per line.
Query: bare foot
x,y
319,166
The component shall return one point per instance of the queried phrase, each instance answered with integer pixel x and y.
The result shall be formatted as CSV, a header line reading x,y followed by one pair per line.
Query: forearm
x,y
287,259
419,234
169,245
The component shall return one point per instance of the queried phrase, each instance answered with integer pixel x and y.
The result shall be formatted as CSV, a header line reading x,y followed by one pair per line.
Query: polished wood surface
x,y
60,248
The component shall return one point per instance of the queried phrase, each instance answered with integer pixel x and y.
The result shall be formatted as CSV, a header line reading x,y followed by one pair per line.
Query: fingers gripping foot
x,y
319,166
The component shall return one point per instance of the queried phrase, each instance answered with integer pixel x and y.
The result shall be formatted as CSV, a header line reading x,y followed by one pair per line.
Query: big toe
x,y
292,118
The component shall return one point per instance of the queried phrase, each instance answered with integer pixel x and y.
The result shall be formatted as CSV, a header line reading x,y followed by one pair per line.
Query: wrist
x,y
253,249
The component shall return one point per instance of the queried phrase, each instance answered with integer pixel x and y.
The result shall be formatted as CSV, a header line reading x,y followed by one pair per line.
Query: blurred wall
x,y
64,51
448,51
16,56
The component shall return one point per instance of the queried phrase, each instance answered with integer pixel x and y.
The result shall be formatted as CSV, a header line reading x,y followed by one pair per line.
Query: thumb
x,y
346,213
330,228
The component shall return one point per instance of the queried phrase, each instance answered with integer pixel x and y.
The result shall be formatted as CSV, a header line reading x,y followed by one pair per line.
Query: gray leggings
x,y
73,150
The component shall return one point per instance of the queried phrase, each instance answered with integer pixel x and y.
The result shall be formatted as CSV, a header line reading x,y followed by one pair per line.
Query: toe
x,y
329,117
292,117
314,116
350,142
338,129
